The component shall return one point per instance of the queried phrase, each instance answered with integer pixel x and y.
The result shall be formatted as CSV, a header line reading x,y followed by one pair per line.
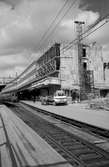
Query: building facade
x,y
60,68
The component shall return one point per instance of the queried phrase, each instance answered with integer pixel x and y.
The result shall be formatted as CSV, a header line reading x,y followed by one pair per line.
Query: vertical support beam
x,y
80,65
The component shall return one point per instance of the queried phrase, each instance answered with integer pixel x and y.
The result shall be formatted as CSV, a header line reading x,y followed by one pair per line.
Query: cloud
x,y
88,17
24,26
68,26
11,2
99,33
10,64
21,29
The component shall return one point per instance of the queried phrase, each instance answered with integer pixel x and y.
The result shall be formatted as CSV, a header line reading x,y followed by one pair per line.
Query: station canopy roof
x,y
45,82
101,85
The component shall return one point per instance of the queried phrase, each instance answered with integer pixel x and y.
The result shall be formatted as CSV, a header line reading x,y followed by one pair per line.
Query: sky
x,y
23,24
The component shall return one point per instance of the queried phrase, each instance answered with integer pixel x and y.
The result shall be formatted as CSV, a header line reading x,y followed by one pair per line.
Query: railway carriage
x,y
5,97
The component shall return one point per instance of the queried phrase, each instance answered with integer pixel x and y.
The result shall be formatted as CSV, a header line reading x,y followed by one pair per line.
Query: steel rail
x,y
77,151
91,128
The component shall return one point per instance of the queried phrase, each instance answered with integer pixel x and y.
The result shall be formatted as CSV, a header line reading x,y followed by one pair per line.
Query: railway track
x,y
85,126
78,152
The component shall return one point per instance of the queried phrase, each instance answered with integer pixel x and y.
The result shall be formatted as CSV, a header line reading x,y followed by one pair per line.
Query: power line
x,y
68,46
88,34
90,27
72,4
95,29
95,24
51,24
62,18
44,35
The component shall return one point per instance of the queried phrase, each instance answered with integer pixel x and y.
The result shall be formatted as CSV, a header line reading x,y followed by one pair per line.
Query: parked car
x,y
58,98
46,100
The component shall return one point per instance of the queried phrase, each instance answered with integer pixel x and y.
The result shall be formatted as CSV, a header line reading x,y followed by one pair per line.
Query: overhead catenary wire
x,y
68,46
44,35
65,13
53,21
71,43
62,17
55,18
90,27
88,30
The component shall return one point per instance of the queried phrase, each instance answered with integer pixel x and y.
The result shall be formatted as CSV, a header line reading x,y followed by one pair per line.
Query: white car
x,y
60,97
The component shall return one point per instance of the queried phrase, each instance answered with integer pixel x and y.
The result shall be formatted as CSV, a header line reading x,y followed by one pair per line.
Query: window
x,y
84,52
84,66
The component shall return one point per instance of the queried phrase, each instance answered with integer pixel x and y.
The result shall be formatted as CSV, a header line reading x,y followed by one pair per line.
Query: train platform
x,y
21,146
77,111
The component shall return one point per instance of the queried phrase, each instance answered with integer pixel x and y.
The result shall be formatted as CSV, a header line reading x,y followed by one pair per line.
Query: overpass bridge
x,y
4,81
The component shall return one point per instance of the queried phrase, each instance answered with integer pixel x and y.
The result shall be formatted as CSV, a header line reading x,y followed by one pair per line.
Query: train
x,y
8,97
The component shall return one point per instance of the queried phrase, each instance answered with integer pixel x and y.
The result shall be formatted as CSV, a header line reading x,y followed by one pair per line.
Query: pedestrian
x,y
73,96
34,99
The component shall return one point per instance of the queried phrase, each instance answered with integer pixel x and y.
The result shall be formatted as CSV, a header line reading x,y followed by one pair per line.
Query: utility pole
x,y
79,25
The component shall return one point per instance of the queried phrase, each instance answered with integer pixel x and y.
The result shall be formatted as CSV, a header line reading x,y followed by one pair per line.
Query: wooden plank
x,y
5,157
2,137
0,123
29,148
23,156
